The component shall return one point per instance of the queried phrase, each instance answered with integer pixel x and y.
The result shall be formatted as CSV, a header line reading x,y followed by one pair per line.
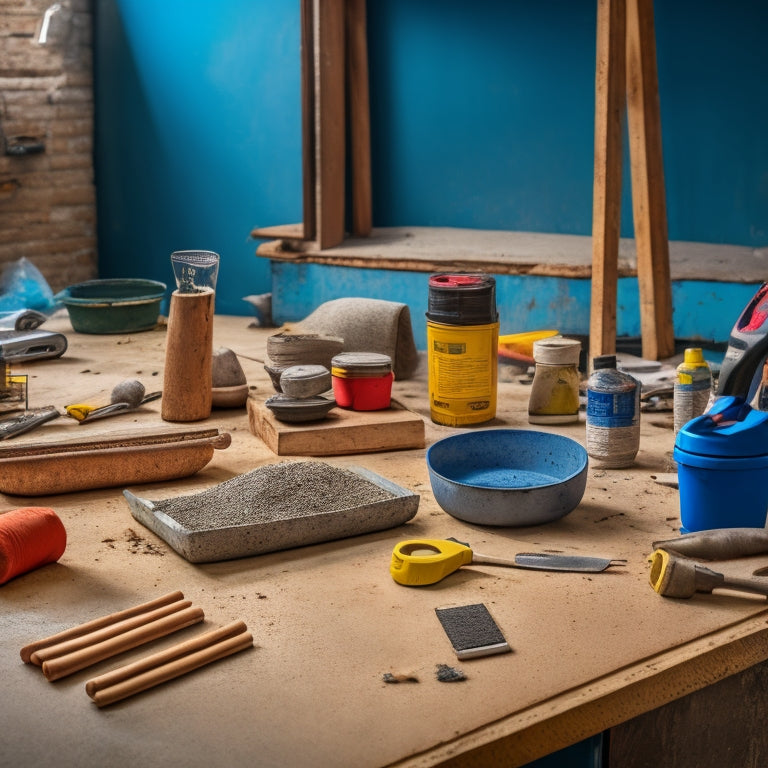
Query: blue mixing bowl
x,y
509,477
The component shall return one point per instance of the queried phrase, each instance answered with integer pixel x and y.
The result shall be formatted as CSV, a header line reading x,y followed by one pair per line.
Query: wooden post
x,y
648,198
606,210
359,117
308,176
330,118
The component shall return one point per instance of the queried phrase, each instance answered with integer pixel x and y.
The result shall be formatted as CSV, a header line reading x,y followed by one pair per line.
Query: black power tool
x,y
742,368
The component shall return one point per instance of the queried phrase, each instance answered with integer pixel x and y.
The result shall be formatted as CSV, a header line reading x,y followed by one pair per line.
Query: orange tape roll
x,y
29,538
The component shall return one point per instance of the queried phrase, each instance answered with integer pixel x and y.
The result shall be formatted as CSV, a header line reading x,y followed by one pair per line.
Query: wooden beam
x,y
359,117
648,198
330,117
606,204
307,63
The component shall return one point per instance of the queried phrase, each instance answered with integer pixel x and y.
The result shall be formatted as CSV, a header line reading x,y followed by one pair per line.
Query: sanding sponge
x,y
472,631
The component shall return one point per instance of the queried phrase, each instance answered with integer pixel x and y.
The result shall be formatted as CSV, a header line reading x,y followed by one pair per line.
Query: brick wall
x,y
47,198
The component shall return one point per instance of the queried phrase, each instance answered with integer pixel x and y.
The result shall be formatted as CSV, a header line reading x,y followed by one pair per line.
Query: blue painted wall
x,y
197,135
482,116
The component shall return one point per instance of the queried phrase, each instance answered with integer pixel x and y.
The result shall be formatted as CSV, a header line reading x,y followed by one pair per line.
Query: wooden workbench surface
x,y
590,651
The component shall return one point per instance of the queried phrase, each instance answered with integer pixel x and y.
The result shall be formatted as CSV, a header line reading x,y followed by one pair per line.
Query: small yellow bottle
x,y
693,385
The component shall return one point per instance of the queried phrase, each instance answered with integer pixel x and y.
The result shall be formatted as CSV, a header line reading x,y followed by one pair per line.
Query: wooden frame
x,y
334,57
626,70
334,71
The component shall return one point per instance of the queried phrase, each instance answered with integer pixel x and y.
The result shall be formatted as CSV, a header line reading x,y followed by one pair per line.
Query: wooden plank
x,y
343,432
648,199
309,178
280,231
330,116
606,205
359,118
438,249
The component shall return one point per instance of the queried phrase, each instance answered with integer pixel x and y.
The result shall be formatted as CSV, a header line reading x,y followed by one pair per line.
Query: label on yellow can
x,y
463,372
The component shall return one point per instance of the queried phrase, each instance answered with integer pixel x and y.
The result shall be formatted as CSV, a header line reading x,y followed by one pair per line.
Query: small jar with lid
x,y
554,395
362,381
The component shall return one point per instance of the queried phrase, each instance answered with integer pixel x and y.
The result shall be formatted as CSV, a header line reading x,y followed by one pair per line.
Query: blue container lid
x,y
730,429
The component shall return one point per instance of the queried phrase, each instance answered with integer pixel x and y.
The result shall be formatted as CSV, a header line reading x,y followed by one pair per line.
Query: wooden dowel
x,y
85,657
193,645
103,621
105,633
173,669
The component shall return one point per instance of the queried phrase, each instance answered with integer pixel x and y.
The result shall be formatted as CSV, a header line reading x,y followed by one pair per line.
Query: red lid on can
x,y
455,281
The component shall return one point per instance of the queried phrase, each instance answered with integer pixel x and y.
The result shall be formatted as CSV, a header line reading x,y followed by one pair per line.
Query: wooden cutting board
x,y
342,432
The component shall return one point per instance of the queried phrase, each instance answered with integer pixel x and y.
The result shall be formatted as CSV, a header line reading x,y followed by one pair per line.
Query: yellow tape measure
x,y
418,562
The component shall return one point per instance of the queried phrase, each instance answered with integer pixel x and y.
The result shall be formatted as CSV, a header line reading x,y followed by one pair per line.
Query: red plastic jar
x,y
362,381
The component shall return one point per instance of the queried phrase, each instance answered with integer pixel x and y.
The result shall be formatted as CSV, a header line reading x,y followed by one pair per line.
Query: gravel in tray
x,y
284,491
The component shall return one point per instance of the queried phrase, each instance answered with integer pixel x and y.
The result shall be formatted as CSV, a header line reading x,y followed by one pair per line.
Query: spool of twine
x,y
29,538
614,447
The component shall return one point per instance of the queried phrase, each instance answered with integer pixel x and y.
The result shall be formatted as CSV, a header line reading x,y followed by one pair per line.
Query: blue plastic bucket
x,y
722,468
721,493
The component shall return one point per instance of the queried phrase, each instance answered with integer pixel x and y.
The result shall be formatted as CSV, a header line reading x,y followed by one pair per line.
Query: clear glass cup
x,y
195,271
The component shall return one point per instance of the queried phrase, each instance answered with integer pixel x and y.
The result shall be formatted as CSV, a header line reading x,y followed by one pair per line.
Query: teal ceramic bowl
x,y
120,305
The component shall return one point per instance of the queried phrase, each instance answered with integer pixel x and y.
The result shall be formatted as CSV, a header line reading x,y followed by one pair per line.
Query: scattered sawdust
x,y
139,545
608,517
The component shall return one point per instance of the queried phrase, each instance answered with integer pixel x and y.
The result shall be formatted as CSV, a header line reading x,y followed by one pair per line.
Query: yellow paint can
x,y
462,344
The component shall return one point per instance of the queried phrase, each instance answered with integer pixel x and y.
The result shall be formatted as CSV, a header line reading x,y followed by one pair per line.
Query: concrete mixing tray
x,y
229,543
